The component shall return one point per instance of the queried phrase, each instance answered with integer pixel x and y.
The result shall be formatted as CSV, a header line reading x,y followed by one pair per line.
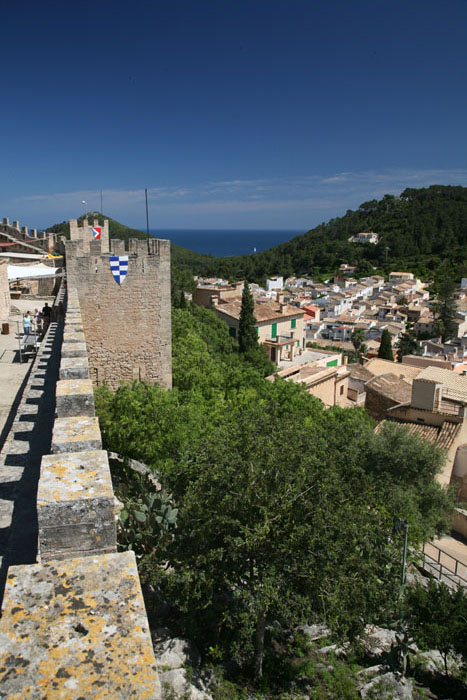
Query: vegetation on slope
x,y
284,509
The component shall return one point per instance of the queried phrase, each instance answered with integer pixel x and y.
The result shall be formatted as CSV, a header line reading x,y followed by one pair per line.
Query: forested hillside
x,y
422,230
274,512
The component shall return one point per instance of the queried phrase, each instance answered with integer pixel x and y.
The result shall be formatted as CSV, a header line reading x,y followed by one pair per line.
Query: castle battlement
x,y
126,317
74,623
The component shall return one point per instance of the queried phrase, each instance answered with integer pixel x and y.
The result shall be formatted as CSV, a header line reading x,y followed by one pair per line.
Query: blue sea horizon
x,y
227,242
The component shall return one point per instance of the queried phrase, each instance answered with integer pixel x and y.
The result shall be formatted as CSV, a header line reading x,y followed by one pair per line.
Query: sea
x,y
226,242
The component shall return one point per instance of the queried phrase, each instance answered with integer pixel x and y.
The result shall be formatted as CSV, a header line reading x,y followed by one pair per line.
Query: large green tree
x,y
437,618
247,337
445,309
385,346
284,508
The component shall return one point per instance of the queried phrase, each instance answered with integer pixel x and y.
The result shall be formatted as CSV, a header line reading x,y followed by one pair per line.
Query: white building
x,y
274,283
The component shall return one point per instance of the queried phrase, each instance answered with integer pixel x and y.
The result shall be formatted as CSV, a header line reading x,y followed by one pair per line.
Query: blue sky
x,y
233,113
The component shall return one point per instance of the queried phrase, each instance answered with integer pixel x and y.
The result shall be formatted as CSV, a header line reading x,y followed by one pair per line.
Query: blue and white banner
x,y
119,267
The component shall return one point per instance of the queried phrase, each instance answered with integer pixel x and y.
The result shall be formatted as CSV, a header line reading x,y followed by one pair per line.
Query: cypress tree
x,y
247,338
385,347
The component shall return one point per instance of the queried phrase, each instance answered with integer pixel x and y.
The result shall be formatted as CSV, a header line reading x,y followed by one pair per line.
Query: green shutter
x,y
298,343
257,331
274,330
293,323
232,332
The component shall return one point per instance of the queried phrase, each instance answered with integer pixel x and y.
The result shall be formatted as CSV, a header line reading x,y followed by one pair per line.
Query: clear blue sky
x,y
233,113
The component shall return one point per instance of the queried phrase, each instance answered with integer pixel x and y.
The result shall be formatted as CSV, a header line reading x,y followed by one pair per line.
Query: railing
x,y
454,573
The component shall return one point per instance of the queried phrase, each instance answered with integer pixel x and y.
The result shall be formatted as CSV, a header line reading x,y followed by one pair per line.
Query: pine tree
x,y
385,347
247,338
445,308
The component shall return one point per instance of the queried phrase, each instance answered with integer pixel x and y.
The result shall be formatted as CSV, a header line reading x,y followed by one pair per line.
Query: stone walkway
x,y
29,439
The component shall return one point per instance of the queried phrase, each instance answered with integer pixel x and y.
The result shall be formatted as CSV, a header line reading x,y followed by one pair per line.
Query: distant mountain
x,y
423,230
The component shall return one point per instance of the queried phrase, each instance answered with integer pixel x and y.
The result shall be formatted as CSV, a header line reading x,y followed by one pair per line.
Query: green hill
x,y
422,230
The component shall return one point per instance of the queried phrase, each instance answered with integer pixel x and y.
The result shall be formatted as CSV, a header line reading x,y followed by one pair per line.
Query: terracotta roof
x,y
358,371
454,386
407,372
443,436
264,311
390,386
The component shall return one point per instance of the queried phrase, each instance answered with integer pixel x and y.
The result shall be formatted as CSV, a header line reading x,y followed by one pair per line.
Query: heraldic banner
x,y
119,267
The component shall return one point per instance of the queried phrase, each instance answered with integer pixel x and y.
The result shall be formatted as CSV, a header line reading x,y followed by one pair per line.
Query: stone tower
x,y
85,236
127,326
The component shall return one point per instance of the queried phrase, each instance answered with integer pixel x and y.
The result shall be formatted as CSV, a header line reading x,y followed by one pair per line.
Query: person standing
x,y
27,323
46,312
38,320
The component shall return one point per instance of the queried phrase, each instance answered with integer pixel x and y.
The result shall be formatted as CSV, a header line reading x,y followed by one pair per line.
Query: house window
x,y
293,323
232,332
274,330
342,390
257,331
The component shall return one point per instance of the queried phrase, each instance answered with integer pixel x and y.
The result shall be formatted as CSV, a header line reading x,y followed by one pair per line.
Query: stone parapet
x,y
73,336
76,434
74,368
70,349
77,629
75,397
74,625
76,506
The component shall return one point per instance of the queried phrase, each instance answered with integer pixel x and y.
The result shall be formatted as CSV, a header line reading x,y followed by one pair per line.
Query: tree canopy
x,y
284,509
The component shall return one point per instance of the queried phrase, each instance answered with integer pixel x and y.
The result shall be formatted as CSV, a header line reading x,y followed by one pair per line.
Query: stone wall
x,y
128,325
74,624
32,243
4,292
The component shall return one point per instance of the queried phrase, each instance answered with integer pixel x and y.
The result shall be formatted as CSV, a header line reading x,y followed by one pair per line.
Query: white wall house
x,y
274,283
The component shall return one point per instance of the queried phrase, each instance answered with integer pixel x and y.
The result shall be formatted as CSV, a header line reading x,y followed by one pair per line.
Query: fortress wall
x,y
4,292
74,625
128,325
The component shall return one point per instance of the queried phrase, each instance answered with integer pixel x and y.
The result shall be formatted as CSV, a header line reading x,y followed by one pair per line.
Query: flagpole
x,y
147,217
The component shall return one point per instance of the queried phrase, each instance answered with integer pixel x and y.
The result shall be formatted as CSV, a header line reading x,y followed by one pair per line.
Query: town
x,y
328,336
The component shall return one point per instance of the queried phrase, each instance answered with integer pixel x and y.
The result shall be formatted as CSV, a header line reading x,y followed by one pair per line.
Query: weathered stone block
x,y
74,368
77,629
74,327
73,337
76,506
75,397
74,349
76,434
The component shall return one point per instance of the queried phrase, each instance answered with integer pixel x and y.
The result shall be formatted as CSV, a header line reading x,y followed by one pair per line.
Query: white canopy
x,y
22,272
